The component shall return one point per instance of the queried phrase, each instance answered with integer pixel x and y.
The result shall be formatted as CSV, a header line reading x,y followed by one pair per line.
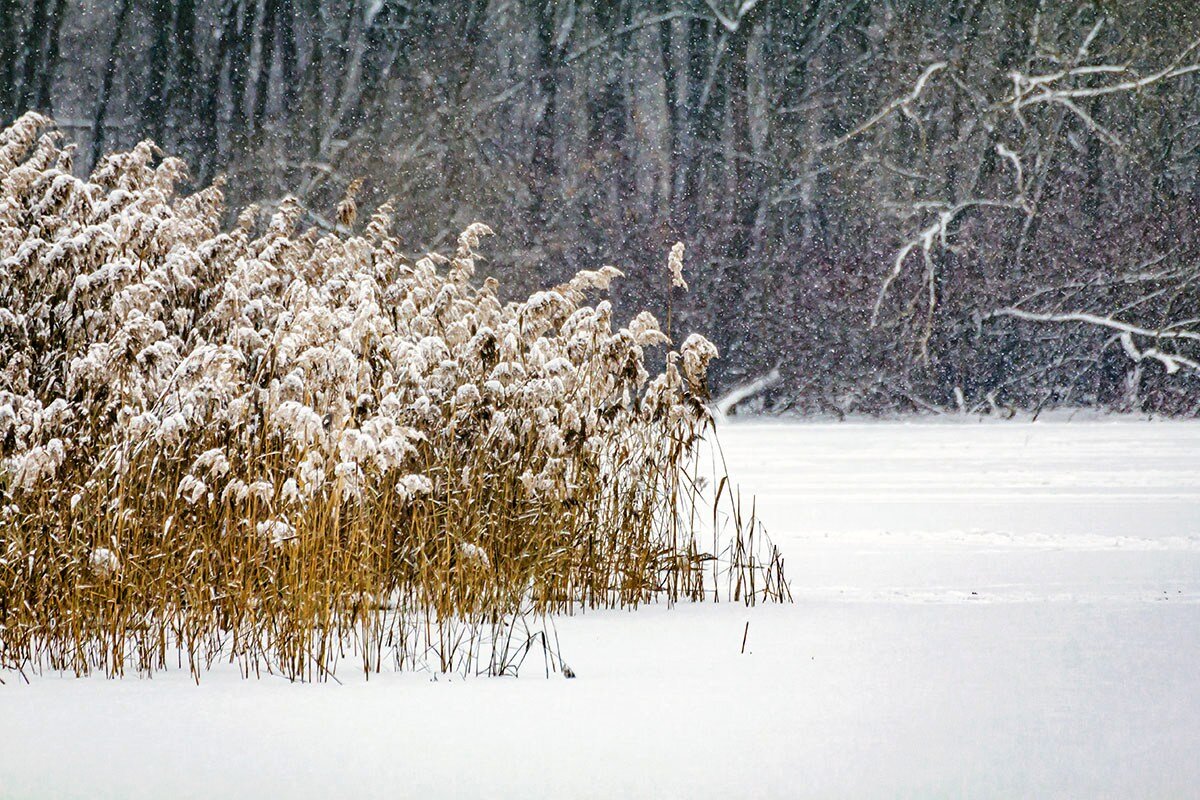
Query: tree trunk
x,y
184,77
208,133
35,37
288,57
241,47
697,126
314,76
110,70
8,59
154,105
50,66
266,61
747,172
606,217
670,74
543,167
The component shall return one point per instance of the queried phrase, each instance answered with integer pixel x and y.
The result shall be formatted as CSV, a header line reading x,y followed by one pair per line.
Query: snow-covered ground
x,y
982,610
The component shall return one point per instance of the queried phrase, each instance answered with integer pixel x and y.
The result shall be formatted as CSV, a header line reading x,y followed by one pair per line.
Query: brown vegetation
x,y
284,447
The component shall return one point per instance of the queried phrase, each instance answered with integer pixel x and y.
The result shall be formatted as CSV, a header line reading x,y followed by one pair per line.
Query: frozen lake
x,y
982,610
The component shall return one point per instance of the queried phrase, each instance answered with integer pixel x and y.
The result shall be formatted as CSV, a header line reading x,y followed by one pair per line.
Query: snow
x,y
984,610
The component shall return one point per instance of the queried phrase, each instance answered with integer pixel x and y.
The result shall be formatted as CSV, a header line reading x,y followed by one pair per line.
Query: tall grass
x,y
286,448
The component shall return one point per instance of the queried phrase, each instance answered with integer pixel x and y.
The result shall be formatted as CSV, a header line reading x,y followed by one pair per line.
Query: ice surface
x,y
983,610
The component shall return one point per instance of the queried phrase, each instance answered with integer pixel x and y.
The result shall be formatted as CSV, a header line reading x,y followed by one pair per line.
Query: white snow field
x,y
982,610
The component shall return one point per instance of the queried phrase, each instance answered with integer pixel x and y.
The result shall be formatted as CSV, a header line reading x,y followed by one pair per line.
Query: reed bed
x,y
286,449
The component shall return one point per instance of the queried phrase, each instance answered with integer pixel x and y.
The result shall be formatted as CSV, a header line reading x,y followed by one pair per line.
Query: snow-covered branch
x,y
1029,148
1094,319
881,114
731,24
745,391
1127,331
924,241
1033,89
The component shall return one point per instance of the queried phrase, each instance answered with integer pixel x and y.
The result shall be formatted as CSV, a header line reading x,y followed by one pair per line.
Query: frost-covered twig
x,y
1169,332
938,233
898,103
744,391
1017,141
1173,362
1033,89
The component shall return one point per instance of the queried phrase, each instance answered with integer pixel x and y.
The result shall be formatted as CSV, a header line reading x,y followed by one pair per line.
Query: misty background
x,y
887,206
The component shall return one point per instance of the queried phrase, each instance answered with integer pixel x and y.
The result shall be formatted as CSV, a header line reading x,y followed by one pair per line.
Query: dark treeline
x,y
907,204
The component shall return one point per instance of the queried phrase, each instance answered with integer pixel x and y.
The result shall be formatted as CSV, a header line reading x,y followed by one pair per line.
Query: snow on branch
x,y
899,103
731,24
937,233
1030,154
1033,89
744,391
1171,361
1095,319
1060,87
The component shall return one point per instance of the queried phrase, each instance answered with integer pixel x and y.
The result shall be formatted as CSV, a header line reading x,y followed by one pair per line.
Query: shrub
x,y
276,446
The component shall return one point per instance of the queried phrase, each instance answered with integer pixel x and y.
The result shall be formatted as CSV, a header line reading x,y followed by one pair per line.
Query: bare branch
x,y
1095,319
937,232
899,102
1035,89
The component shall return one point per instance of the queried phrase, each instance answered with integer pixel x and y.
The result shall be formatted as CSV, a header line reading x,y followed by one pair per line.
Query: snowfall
x,y
982,609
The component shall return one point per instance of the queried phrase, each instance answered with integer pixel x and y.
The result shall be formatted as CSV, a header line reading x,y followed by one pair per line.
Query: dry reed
x,y
284,449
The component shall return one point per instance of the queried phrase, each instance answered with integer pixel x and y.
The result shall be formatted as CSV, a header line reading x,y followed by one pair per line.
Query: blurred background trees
x,y
868,189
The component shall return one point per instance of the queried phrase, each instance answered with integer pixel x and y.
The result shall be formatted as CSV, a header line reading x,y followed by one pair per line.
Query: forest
x,y
972,205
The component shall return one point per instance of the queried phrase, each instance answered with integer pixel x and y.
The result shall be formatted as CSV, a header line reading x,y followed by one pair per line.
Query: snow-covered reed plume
x,y
238,441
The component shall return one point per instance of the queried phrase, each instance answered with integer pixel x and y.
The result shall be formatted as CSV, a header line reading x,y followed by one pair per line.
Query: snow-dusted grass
x,y
983,610
278,446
